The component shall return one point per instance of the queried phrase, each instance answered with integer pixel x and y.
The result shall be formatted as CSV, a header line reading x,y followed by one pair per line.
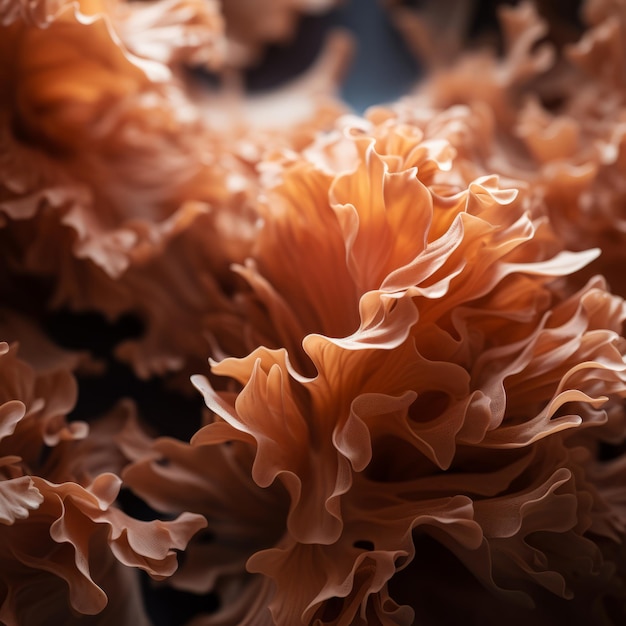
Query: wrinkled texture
x,y
554,104
57,514
421,370
416,377
126,183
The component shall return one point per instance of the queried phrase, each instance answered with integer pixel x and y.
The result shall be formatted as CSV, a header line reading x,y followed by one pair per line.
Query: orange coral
x,y
59,525
110,169
429,377
556,111
417,383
